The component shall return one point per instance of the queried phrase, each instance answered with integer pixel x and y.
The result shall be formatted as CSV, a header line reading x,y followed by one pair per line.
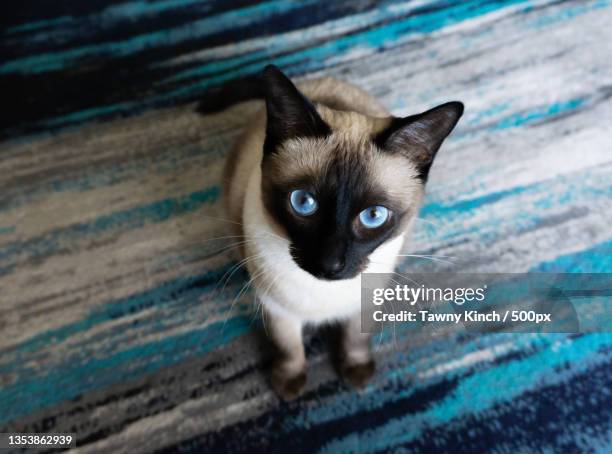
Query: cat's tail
x,y
233,92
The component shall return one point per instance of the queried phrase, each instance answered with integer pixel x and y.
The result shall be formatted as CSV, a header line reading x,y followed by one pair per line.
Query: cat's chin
x,y
327,276
336,278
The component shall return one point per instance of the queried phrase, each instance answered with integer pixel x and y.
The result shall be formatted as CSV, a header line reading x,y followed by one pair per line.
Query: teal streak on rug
x,y
126,316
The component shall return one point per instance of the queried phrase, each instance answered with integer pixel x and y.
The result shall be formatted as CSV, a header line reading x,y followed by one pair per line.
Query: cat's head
x,y
339,183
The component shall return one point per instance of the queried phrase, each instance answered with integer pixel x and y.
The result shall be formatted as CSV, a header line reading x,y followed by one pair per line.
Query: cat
x,y
324,184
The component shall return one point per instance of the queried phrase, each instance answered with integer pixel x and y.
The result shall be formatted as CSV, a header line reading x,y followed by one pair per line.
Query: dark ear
x,y
419,137
289,113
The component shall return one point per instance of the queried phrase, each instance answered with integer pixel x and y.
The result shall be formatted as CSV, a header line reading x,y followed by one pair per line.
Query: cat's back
x,y
246,154
338,95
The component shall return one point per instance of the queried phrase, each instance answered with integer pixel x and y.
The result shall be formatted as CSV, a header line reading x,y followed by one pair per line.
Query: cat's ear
x,y
419,137
289,113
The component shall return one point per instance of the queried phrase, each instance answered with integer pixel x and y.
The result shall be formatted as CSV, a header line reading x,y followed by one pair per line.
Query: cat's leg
x,y
356,362
289,367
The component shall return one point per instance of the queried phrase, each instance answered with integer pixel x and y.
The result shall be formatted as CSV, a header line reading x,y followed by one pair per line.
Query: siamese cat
x,y
324,185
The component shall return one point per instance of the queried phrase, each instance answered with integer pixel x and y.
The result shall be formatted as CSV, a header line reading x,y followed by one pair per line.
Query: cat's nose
x,y
332,266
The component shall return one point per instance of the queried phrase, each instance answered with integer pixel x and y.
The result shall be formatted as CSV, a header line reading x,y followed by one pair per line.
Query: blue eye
x,y
373,217
303,202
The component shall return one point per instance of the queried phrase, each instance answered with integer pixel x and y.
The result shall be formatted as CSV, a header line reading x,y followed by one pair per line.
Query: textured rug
x,y
116,322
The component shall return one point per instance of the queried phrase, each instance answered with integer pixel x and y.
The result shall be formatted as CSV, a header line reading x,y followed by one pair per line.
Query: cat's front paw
x,y
358,374
288,386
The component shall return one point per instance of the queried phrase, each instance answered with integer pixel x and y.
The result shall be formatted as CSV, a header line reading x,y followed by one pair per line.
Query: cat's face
x,y
338,198
340,184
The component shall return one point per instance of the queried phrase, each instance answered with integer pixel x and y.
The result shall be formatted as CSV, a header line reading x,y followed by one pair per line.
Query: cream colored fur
x,y
290,296
281,285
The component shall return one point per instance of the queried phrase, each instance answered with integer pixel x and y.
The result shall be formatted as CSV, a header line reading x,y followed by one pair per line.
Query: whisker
x,y
235,268
242,263
260,304
249,239
221,219
437,255
242,291
393,325
432,258
231,246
